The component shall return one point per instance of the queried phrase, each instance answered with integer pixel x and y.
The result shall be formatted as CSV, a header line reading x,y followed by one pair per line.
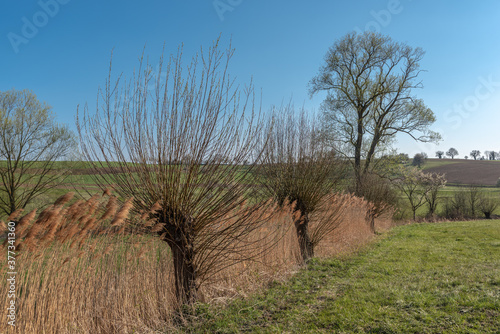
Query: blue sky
x,y
281,44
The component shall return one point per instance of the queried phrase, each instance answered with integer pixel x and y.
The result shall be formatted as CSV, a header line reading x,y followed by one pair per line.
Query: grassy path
x,y
428,278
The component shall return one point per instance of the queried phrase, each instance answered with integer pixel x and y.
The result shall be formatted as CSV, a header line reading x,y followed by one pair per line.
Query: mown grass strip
x,y
426,278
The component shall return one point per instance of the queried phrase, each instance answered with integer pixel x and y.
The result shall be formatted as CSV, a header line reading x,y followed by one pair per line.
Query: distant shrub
x,y
466,202
457,206
419,159
498,183
419,187
487,206
433,183
473,196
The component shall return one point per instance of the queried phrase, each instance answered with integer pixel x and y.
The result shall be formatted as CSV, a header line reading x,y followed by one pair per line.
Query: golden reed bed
x,y
80,271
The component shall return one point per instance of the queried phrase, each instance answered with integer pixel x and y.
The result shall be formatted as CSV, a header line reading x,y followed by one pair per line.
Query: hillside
x,y
460,171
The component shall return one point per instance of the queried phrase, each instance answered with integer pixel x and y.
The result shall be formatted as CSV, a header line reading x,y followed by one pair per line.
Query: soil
x,y
480,172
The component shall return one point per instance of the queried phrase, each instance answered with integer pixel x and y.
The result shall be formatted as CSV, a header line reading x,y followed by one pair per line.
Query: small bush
x,y
473,199
487,206
458,206
466,203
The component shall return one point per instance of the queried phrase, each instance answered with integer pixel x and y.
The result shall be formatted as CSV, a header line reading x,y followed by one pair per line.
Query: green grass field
x,y
80,180
420,278
84,184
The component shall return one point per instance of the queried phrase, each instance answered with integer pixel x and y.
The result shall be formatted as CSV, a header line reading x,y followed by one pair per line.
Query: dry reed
x,y
123,283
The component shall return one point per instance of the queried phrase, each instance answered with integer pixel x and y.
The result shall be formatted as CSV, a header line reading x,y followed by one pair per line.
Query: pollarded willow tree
x,y
178,140
369,80
296,166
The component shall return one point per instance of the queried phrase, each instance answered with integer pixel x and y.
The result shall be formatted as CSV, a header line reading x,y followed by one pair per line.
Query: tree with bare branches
x,y
419,187
491,155
452,152
475,154
433,182
411,183
180,147
30,144
297,166
370,82
487,205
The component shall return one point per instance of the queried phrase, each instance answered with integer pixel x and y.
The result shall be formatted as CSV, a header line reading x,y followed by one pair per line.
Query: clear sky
x,y
60,49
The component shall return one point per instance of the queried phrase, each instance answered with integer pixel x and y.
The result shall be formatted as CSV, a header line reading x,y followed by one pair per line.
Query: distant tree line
x,y
474,154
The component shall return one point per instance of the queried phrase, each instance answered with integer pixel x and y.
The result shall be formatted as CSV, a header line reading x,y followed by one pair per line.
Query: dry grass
x,y
354,230
80,271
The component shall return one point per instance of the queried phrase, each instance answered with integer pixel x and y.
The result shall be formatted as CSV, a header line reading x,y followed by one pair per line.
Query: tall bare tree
x,y
369,80
181,146
298,167
30,144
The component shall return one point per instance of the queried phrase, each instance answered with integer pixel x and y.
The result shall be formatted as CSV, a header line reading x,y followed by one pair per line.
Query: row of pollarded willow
x,y
196,117
188,140
369,80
